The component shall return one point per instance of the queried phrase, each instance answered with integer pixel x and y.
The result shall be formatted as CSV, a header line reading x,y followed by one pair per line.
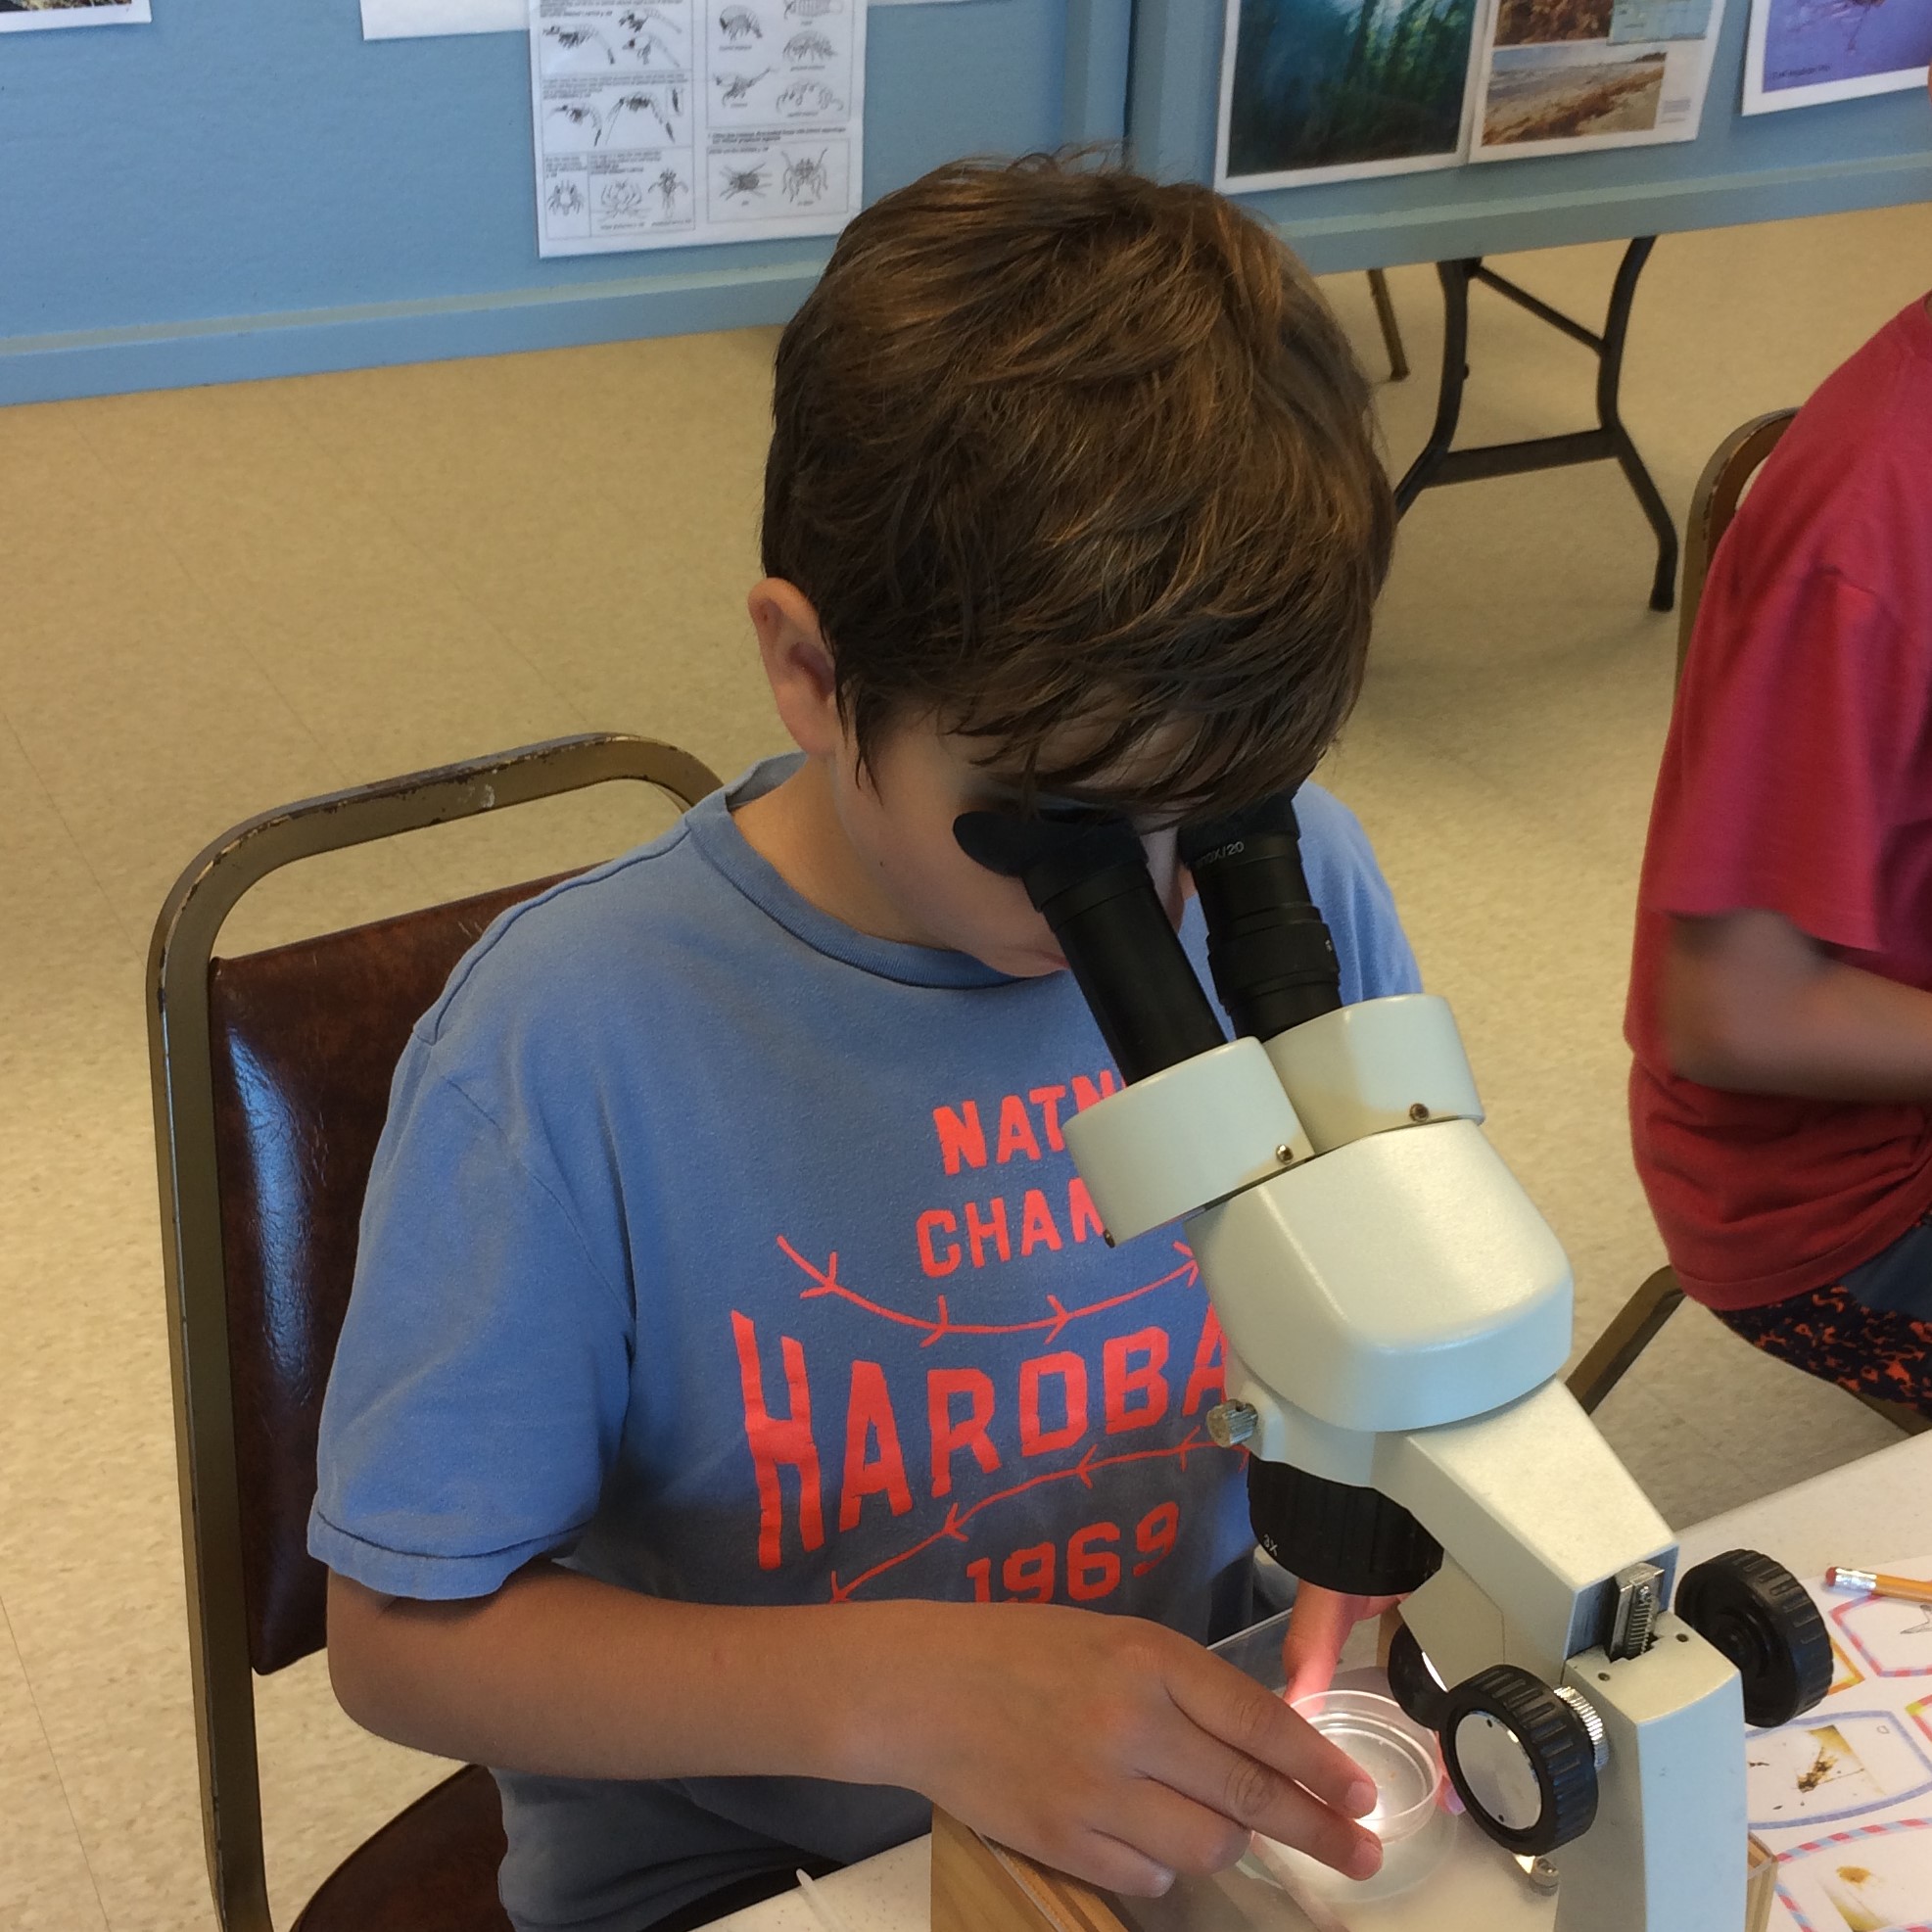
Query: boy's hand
x,y
1317,1628
1114,1749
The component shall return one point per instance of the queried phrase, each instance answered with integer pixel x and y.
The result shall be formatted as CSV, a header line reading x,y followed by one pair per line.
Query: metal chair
x,y
1712,504
270,1076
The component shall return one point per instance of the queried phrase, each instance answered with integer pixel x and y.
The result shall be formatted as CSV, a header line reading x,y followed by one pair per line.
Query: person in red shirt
x,y
1780,1009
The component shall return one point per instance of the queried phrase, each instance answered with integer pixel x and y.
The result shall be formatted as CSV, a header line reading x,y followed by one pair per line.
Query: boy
x,y
738,1404
1781,997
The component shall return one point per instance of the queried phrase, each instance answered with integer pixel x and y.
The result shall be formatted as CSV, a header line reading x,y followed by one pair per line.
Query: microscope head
x,y
1201,1117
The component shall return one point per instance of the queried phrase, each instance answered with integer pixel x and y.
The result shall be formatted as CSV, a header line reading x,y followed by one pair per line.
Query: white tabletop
x,y
1865,1514
891,1893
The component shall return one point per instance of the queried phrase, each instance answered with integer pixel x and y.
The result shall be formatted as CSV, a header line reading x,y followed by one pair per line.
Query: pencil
x,y
1909,1589
821,1908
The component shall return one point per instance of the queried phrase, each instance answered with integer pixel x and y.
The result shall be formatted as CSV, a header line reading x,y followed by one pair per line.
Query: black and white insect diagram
x,y
667,123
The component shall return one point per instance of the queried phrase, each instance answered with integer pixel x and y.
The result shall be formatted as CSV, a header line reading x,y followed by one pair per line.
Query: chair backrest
x,y
303,1043
1712,504
271,1077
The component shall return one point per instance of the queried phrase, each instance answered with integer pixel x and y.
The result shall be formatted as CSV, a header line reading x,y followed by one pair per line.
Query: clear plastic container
x,y
1403,1759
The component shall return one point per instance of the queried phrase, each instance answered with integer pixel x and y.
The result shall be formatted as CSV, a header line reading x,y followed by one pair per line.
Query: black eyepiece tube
x,y
1268,948
1087,875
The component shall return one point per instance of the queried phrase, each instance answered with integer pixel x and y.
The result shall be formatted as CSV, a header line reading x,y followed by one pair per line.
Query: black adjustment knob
x,y
1762,1618
1336,1536
1412,1680
1523,1758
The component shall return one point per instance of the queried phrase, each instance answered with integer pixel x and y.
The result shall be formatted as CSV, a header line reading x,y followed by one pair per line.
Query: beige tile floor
x,y
215,601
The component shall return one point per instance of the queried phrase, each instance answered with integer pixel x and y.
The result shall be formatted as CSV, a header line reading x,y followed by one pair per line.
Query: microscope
x,y
1397,1313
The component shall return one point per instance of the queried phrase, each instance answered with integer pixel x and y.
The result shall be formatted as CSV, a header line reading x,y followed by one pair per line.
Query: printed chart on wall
x,y
1333,90
1563,76
27,15
1843,1795
667,123
1802,53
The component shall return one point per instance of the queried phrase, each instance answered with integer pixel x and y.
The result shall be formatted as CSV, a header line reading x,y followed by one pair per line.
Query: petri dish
x,y
1406,1765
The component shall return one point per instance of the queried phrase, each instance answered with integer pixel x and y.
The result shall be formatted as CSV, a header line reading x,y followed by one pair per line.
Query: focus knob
x,y
1523,1758
1760,1617
1230,1424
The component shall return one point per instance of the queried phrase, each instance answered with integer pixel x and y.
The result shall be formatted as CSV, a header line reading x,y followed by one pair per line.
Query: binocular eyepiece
x,y
1269,952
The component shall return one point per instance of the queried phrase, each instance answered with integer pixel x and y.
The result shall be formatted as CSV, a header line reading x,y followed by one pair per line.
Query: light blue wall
x,y
1810,161
246,188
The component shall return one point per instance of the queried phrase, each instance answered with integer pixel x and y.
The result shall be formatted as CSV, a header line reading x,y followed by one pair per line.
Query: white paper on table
x,y
1340,52
91,12
1802,53
662,124
1843,1795
1624,73
411,20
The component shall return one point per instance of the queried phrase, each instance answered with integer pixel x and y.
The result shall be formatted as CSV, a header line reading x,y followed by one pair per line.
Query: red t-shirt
x,y
1797,779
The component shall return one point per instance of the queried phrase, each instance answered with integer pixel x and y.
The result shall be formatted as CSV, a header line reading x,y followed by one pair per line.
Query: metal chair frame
x,y
179,1048
1712,504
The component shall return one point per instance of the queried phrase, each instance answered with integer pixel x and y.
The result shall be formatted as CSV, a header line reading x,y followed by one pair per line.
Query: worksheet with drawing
x,y
663,122
1843,1795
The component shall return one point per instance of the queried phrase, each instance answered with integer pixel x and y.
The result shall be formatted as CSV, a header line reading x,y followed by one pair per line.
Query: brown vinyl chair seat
x,y
431,1869
270,1075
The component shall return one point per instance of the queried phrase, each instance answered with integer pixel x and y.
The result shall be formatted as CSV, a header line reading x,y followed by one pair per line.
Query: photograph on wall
x,y
1562,77
1336,90
26,15
1802,53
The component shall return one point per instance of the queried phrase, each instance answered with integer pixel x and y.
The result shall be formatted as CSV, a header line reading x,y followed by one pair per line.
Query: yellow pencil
x,y
1907,1589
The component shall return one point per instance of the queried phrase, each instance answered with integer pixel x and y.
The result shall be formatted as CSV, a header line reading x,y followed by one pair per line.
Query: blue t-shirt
x,y
729,1256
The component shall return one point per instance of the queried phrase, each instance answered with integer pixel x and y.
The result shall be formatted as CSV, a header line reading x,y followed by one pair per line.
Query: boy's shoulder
x,y
1846,488
1332,837
578,943
638,947
659,917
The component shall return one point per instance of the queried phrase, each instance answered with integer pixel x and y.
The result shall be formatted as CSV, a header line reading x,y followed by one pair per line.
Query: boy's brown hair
x,y
1081,465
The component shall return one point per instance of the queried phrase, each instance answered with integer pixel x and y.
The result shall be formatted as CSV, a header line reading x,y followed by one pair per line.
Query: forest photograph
x,y
1328,83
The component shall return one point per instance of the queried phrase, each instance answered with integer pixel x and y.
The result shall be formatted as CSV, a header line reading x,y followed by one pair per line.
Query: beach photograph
x,y
1532,99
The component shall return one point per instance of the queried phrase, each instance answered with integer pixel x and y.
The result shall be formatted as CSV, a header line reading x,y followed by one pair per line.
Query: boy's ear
x,y
797,665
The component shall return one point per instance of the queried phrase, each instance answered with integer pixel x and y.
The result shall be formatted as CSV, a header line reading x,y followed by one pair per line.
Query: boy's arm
x,y
1110,1747
1752,1004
